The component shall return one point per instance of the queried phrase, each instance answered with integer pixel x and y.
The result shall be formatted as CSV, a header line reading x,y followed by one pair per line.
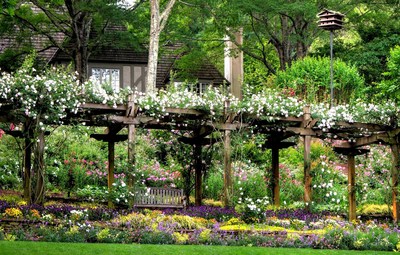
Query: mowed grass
x,y
43,248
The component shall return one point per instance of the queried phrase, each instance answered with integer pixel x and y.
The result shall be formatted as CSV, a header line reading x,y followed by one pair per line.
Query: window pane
x,y
106,76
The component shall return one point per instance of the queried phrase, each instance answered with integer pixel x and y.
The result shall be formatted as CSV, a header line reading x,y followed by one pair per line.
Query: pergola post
x,y
275,176
351,186
198,174
307,171
110,176
111,137
131,113
395,179
228,184
351,152
307,160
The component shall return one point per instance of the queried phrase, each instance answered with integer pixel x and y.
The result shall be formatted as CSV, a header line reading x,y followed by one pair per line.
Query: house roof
x,y
166,63
40,43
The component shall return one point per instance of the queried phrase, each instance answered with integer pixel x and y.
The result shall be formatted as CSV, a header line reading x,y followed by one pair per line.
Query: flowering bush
x,y
78,215
373,175
45,98
253,210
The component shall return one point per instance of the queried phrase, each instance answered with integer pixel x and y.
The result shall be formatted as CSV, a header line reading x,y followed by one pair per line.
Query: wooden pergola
x,y
277,130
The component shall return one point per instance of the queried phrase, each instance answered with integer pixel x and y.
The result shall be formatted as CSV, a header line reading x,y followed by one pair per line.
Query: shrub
x,y
310,80
104,236
180,238
373,209
204,236
253,210
151,237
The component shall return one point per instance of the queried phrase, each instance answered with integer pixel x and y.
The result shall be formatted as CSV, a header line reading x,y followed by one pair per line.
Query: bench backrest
x,y
159,197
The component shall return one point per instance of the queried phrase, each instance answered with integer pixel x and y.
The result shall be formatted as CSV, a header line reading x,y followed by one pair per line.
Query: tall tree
x,y
287,27
375,25
76,27
158,20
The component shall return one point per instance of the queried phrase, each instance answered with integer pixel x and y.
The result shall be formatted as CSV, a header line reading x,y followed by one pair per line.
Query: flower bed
x,y
196,225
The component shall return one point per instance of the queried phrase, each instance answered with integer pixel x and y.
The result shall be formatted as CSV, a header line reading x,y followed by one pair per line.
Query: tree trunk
x,y
157,24
153,47
39,189
27,170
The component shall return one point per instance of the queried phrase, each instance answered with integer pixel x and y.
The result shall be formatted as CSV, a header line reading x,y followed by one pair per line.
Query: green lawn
x,y
42,248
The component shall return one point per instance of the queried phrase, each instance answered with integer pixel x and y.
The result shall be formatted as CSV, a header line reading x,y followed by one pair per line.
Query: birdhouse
x,y
330,20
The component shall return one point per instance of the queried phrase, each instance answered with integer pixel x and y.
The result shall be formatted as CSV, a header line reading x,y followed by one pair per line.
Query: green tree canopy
x,y
390,87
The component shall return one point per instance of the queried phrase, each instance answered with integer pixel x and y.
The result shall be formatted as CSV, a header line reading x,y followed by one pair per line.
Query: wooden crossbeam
x,y
280,145
351,151
365,126
363,141
199,141
103,107
109,137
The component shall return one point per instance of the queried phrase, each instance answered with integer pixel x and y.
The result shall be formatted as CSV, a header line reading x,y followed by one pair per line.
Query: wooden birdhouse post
x,y
331,21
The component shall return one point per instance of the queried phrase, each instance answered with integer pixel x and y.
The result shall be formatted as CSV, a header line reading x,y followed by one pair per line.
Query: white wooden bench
x,y
159,198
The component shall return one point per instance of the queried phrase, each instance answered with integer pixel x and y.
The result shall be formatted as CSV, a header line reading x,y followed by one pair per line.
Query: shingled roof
x,y
166,64
40,44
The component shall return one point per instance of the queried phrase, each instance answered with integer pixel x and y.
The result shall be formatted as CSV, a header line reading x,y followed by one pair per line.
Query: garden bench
x,y
159,198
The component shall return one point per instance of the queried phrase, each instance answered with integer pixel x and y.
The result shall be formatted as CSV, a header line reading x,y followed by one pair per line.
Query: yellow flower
x,y
13,213
180,238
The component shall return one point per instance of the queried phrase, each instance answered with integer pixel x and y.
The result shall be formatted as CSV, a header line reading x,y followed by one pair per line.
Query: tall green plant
x,y
309,79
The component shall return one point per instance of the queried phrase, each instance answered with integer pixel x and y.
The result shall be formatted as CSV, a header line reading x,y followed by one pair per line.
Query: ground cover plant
x,y
33,248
